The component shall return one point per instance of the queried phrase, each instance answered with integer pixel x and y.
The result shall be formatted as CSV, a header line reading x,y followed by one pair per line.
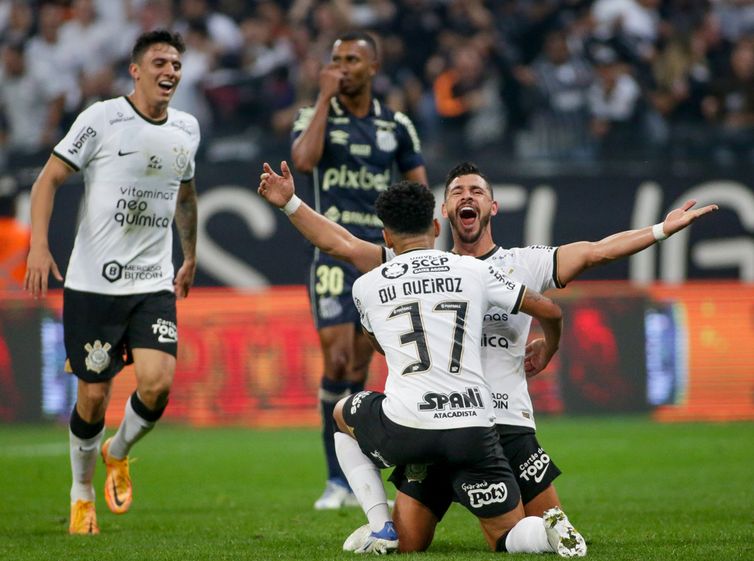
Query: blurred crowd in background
x,y
531,80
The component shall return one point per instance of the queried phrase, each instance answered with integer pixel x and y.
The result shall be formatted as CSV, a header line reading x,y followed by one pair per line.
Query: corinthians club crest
x,y
98,358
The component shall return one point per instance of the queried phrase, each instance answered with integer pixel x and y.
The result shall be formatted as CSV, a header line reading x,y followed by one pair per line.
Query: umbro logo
x,y
122,153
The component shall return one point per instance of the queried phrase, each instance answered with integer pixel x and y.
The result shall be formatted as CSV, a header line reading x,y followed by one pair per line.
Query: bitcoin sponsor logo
x,y
81,137
481,494
113,271
360,178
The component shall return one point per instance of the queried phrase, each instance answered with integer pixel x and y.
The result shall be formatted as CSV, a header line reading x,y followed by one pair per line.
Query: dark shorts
x,y
534,469
101,330
330,284
476,472
531,465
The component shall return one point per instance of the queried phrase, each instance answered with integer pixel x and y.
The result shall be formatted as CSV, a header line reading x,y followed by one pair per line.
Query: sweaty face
x,y
158,72
356,60
468,205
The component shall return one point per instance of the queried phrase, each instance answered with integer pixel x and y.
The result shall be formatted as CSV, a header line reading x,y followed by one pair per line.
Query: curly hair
x,y
466,168
149,38
406,207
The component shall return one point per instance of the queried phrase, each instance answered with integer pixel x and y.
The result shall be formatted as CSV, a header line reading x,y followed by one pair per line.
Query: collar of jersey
x,y
486,255
376,109
147,119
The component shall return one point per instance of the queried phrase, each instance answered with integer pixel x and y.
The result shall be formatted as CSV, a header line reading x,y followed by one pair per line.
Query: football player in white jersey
x,y
137,156
469,204
424,311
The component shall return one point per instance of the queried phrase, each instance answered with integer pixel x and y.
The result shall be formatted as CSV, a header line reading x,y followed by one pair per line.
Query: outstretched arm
x,y
550,317
575,258
332,238
40,262
185,222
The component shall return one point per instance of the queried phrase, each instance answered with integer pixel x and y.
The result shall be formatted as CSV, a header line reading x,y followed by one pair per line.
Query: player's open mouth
x,y
468,215
166,86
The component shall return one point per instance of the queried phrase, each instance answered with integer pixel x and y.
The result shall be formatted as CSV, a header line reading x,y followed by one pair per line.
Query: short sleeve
x,y
503,291
303,118
190,171
408,156
358,301
542,261
84,139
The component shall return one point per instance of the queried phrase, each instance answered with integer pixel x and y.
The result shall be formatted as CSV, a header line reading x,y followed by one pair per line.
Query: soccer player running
x,y
469,205
119,300
348,144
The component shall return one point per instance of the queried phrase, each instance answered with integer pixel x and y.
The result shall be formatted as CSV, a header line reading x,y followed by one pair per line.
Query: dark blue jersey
x,y
358,162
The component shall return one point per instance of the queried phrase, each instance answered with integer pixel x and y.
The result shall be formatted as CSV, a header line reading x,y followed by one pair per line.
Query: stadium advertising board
x,y
253,359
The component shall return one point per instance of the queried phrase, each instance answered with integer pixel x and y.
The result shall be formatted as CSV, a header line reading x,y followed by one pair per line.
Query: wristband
x,y
291,206
657,232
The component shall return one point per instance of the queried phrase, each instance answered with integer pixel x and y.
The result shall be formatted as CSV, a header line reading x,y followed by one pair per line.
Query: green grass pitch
x,y
637,490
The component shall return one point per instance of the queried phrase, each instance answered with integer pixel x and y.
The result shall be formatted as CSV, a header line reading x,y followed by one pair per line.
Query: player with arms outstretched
x,y
469,205
424,310
119,301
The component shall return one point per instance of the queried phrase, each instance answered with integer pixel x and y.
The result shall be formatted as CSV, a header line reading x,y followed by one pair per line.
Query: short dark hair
x,y
358,35
466,168
406,207
149,38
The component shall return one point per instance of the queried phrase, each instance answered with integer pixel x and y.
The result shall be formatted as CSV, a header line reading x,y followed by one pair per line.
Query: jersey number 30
x,y
417,335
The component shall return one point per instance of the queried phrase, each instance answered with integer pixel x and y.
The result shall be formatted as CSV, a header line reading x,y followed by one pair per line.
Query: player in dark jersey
x,y
349,145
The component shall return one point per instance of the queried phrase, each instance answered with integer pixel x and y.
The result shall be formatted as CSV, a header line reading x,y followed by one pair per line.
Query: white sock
x,y
83,461
132,428
528,536
364,479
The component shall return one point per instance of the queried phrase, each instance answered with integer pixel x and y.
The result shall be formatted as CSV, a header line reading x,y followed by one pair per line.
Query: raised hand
x,y
679,218
276,189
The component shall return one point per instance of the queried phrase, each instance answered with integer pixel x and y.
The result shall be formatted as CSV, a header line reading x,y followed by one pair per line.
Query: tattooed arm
x,y
185,222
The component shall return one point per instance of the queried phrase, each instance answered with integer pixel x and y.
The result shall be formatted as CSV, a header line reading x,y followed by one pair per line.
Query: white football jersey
x,y
133,167
504,335
425,308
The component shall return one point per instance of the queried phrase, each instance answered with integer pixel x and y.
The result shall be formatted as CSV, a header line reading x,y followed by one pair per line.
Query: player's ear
x,y
444,211
494,208
133,70
436,224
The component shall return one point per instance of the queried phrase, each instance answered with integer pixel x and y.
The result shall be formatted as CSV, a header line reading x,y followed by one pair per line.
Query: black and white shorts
x,y
532,467
100,330
472,459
